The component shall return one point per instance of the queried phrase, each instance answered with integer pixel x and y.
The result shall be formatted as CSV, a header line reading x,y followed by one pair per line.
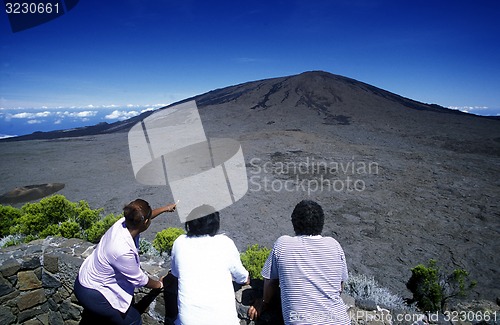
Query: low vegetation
x,y
363,287
253,260
432,288
54,216
164,240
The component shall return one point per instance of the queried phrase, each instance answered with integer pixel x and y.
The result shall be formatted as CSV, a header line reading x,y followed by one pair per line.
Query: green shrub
x,y
86,216
164,240
54,216
253,260
432,289
70,229
50,230
94,233
7,216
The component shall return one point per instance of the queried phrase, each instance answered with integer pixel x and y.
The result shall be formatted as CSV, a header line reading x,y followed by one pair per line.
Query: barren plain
x,y
401,182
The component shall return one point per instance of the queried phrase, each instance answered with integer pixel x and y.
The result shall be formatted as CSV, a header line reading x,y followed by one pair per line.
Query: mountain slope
x,y
336,100
400,181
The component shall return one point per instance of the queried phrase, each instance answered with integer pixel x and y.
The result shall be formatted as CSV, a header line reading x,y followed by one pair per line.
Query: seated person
x,y
205,264
310,271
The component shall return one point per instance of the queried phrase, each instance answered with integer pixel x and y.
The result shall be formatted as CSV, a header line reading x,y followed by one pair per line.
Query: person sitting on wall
x,y
205,263
309,270
107,278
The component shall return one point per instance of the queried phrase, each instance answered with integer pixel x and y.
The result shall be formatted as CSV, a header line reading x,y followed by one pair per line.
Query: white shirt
x,y
206,267
114,268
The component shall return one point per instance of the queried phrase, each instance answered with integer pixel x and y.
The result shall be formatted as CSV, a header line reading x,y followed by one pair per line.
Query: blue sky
x,y
110,54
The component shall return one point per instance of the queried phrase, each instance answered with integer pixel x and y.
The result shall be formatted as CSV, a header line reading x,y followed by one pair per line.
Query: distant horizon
x,y
23,121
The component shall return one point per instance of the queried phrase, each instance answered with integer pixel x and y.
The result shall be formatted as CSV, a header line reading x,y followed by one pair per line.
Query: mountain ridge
x,y
304,90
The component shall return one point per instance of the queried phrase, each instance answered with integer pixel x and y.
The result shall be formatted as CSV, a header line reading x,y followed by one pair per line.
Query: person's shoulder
x,y
284,239
181,238
119,224
223,238
331,241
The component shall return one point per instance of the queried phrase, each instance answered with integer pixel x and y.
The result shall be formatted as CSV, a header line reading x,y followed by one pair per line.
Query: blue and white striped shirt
x,y
310,270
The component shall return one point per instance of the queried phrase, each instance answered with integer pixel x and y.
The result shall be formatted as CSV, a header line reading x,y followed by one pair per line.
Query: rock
x,y
49,281
55,318
32,312
348,300
6,316
366,304
27,280
5,287
31,262
30,299
69,310
9,267
50,263
30,193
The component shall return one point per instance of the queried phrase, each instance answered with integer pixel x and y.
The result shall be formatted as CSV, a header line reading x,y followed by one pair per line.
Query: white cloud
x,y
31,115
121,115
148,109
34,121
82,114
467,109
43,114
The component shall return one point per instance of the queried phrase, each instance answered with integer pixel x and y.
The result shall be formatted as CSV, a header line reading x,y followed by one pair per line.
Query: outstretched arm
x,y
160,210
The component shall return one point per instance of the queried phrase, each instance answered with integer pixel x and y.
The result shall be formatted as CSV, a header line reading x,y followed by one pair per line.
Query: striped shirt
x,y
310,270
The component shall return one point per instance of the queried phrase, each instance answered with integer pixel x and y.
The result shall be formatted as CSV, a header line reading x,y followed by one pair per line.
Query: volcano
x,y
401,181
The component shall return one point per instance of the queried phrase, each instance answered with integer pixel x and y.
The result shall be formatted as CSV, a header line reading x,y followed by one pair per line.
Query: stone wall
x,y
36,282
36,288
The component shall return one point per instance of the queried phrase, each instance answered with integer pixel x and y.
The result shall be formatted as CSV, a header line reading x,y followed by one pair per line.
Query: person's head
x,y
308,218
137,215
203,220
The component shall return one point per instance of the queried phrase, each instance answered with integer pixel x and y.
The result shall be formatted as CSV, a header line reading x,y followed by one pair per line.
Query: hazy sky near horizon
x,y
152,51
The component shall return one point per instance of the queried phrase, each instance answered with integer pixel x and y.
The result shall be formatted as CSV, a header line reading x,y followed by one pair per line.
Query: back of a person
x,y
99,267
311,269
206,294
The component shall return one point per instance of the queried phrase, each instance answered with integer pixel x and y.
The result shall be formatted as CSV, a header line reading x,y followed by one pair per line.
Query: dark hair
x,y
308,218
135,212
203,220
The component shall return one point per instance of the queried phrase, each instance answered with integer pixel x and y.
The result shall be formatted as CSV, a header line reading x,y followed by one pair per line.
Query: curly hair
x,y
203,220
308,218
